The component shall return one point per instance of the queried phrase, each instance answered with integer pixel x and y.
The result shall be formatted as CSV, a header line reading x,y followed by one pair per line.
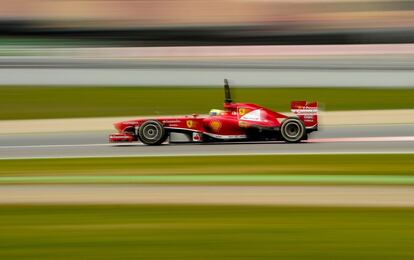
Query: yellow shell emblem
x,y
243,124
215,125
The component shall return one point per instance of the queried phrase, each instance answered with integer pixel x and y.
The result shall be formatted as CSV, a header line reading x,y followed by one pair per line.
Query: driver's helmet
x,y
215,112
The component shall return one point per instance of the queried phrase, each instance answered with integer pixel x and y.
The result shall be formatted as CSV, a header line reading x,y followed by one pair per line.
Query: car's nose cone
x,y
118,126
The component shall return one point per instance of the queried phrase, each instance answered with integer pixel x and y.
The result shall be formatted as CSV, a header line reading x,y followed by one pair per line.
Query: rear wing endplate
x,y
306,111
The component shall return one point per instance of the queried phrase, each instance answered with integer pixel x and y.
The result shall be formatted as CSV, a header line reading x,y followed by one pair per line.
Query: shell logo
x,y
243,124
215,125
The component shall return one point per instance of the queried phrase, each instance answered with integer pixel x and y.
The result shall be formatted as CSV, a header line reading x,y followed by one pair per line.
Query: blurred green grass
x,y
380,165
67,102
205,232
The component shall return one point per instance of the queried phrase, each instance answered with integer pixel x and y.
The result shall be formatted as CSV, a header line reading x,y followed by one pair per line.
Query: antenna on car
x,y
227,94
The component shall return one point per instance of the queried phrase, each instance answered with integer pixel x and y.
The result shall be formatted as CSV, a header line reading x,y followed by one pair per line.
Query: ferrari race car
x,y
235,122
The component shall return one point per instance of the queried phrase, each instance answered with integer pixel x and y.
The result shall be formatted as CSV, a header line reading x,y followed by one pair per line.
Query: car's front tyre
x,y
152,132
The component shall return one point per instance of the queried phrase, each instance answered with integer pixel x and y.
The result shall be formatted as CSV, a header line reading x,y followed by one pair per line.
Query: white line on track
x,y
363,139
319,140
51,146
68,145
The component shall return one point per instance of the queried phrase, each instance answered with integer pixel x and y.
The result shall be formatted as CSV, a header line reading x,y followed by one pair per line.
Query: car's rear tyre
x,y
293,130
152,132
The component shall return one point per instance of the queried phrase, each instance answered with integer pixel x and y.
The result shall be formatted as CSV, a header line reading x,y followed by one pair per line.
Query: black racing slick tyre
x,y
152,132
293,130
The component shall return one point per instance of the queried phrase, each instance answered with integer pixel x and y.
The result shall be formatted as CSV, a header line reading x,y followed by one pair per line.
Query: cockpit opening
x,y
216,112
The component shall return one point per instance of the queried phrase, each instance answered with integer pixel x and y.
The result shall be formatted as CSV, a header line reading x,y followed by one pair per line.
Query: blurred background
x,y
69,69
198,43
214,22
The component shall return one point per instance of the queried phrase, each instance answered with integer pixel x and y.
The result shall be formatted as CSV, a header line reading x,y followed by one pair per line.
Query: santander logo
x,y
255,115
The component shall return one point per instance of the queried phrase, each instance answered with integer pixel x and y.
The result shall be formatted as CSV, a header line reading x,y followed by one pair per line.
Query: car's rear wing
x,y
307,112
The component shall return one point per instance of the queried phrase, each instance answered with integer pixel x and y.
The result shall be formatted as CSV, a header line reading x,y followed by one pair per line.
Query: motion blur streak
x,y
213,195
190,22
287,15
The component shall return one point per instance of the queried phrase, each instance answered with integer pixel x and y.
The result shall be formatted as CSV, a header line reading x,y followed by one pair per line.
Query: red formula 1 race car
x,y
236,122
